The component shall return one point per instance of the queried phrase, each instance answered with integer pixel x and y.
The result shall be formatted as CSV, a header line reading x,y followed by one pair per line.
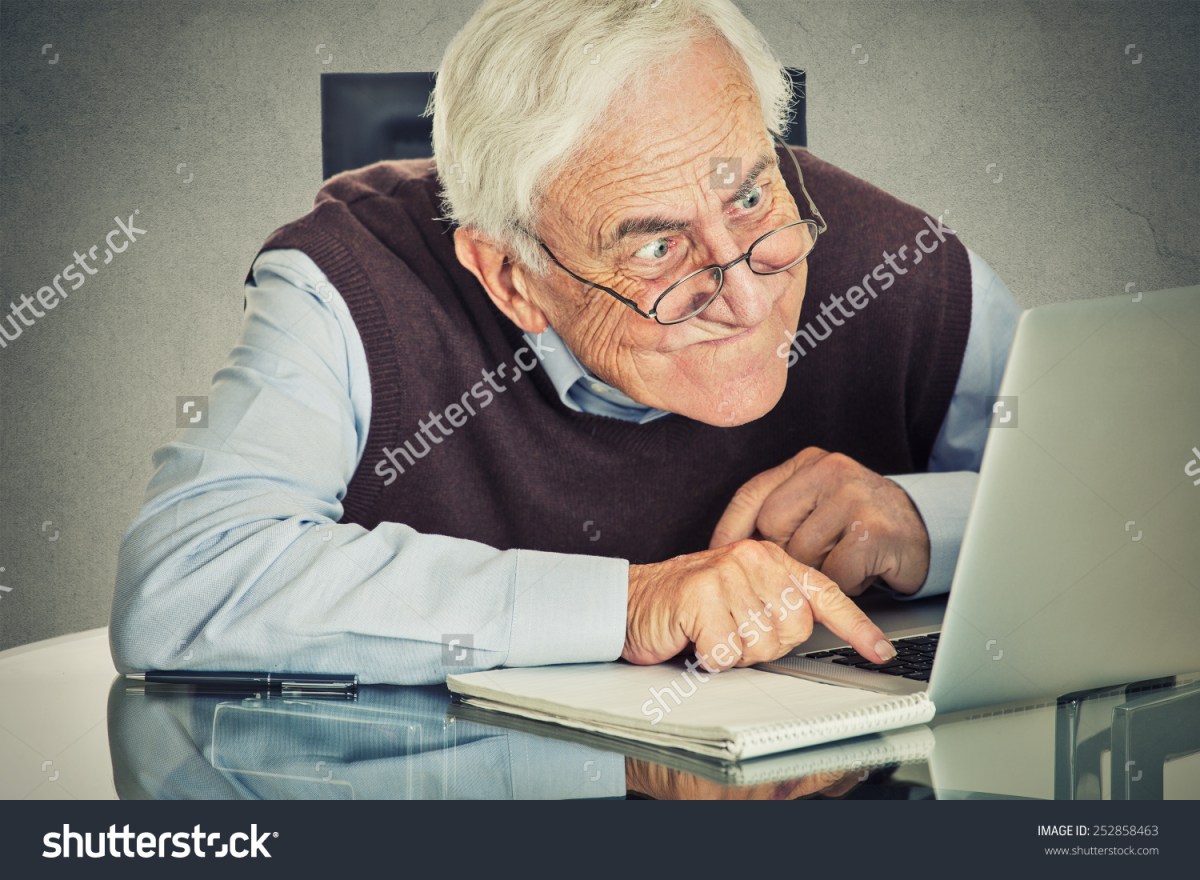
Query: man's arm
x,y
943,496
860,528
237,559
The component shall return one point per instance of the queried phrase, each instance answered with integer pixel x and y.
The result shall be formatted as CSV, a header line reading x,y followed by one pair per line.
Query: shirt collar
x,y
580,390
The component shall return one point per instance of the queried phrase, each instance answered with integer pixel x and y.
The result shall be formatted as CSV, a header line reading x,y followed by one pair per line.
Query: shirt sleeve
x,y
237,559
943,496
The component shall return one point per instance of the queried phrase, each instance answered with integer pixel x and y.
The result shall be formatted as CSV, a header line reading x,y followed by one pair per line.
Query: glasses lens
x,y
783,248
689,297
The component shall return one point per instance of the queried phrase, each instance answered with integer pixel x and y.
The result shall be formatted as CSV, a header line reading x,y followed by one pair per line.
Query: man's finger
x,y
791,505
816,536
764,635
784,613
718,645
847,566
740,517
838,612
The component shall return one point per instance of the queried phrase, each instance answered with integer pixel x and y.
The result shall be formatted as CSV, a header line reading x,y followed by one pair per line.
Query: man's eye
x,y
751,199
655,250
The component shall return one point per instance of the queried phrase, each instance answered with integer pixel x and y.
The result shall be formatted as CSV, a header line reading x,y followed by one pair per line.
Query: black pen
x,y
153,689
251,681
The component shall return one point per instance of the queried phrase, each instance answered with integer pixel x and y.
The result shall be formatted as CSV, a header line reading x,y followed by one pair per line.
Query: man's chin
x,y
740,404
743,383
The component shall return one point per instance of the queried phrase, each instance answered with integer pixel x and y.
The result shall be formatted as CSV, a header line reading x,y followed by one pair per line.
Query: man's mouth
x,y
739,335
729,339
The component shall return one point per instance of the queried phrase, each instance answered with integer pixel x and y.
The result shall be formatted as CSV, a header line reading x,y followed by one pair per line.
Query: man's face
x,y
657,166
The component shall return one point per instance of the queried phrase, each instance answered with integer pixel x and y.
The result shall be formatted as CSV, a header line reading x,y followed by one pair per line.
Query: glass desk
x,y
70,728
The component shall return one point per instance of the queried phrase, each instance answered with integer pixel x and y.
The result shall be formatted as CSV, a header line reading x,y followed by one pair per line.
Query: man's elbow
x,y
142,621
130,638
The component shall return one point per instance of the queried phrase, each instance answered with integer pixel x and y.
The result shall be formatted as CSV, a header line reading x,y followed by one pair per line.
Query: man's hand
x,y
744,603
828,511
663,783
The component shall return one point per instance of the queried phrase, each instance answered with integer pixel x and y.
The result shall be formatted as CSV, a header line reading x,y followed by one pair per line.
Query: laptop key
x,y
898,670
922,675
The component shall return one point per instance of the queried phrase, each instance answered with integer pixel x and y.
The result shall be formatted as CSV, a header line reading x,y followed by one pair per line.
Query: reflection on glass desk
x,y
414,743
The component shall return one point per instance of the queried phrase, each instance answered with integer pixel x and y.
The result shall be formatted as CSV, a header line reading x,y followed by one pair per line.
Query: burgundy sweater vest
x,y
519,469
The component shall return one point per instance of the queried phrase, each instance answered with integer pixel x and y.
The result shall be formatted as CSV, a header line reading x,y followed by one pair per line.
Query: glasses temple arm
x,y
800,177
633,305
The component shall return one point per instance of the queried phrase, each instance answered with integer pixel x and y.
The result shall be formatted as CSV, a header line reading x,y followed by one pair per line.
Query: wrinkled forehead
x,y
661,144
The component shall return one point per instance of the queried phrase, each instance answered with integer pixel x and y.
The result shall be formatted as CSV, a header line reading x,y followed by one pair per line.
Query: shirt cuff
x,y
943,500
568,609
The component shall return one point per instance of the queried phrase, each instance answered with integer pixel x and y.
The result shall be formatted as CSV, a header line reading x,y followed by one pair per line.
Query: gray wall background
x,y
1094,187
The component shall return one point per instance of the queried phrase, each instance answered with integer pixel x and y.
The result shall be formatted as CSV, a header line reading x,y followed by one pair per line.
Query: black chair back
x,y
366,117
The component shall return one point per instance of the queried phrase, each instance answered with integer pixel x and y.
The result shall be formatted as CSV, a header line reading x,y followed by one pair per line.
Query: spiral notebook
x,y
739,714
861,754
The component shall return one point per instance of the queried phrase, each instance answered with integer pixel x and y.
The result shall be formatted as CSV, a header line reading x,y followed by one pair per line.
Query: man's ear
x,y
504,283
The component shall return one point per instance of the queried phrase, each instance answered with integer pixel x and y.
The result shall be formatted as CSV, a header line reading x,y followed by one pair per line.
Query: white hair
x,y
525,82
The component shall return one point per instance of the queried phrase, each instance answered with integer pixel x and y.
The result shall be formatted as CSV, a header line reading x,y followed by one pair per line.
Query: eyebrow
x,y
655,223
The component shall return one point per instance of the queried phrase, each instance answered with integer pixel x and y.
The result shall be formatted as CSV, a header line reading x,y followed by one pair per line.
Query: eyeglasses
x,y
776,251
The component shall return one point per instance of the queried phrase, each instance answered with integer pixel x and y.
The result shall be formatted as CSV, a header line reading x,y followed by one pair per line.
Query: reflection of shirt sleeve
x,y
495,764
943,496
237,559
396,743
544,768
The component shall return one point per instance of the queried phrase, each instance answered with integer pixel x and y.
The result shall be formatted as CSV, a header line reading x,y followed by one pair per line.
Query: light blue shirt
x,y
237,559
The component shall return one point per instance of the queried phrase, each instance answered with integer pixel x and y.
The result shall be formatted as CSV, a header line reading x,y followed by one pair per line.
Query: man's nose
x,y
746,299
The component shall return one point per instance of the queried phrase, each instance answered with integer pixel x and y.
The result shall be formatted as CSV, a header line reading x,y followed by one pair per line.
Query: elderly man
x,y
616,375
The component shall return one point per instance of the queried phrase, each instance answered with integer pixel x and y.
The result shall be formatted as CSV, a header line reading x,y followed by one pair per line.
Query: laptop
x,y
1080,564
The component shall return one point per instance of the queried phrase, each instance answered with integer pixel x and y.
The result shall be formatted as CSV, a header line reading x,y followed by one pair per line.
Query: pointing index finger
x,y
840,614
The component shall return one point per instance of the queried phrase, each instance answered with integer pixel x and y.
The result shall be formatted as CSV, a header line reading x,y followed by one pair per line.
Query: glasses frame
x,y
717,267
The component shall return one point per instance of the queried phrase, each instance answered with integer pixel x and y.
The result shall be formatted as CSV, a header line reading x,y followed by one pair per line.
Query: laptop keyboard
x,y
914,658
